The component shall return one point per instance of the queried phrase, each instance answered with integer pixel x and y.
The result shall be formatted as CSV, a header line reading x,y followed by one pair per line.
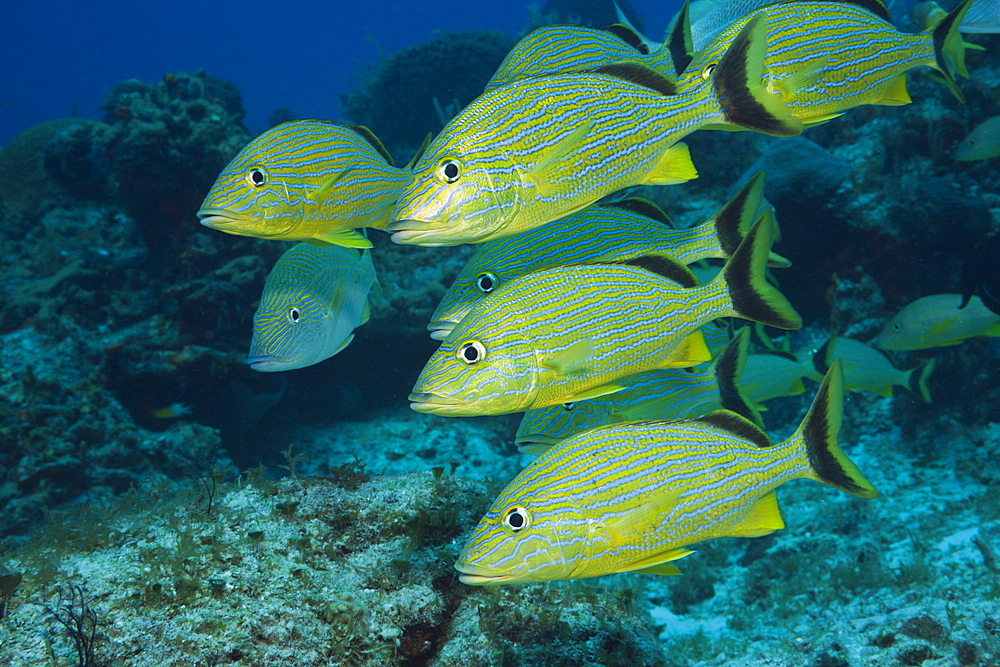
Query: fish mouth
x,y
441,328
269,363
221,219
532,440
474,575
419,232
437,404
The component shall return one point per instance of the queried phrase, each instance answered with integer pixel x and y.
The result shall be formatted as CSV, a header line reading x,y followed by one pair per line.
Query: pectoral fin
x,y
555,165
573,359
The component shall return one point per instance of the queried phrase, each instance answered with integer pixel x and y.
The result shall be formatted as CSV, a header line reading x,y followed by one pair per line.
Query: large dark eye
x,y
293,315
486,282
256,177
449,171
898,326
471,352
516,518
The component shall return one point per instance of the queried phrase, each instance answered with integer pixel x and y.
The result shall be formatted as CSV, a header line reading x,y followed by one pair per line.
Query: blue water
x,y
61,58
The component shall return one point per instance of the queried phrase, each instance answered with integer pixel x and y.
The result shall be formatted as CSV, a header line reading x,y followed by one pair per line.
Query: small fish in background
x,y
307,180
981,274
983,16
569,333
939,320
662,395
632,497
538,149
982,143
825,58
868,369
614,232
313,300
173,411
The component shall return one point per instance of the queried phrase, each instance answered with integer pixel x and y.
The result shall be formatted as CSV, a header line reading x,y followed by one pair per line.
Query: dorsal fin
x,y
876,7
420,152
370,137
665,266
629,36
741,427
641,75
645,208
679,41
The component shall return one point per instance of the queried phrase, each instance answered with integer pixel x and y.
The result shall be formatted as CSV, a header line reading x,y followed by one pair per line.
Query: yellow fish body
x,y
614,232
538,149
307,180
937,321
868,369
632,497
568,333
824,58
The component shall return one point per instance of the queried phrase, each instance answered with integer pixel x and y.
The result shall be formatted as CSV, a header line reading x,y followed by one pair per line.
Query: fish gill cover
x,y
165,504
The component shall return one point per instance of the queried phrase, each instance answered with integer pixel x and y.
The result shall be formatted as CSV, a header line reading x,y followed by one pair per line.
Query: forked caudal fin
x,y
752,296
819,432
738,80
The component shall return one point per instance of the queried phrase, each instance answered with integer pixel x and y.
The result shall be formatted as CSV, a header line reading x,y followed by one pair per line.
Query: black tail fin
x,y
728,371
738,80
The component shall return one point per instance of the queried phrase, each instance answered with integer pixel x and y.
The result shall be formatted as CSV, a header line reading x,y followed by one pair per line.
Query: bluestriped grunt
x,y
307,180
542,148
633,497
313,300
569,333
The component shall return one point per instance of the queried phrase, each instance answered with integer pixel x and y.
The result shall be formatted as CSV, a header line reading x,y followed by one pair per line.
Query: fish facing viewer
x,y
568,333
632,497
313,300
825,58
539,149
614,232
939,320
307,180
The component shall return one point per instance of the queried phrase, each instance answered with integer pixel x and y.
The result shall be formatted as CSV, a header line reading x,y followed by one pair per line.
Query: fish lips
x,y
419,232
440,329
474,575
221,219
269,363
440,405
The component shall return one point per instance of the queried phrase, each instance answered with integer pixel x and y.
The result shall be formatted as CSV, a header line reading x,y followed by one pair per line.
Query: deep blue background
x,y
61,58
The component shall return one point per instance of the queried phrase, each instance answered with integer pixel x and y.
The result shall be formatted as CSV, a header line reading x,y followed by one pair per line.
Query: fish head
x,y
478,372
526,536
292,329
459,192
473,283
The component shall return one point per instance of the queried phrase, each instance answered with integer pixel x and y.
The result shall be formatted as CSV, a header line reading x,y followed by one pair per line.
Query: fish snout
x,y
440,329
474,575
437,404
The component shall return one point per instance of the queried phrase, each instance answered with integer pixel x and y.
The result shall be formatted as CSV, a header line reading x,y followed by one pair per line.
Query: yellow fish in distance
x,y
307,180
569,333
869,369
825,58
938,320
542,148
633,497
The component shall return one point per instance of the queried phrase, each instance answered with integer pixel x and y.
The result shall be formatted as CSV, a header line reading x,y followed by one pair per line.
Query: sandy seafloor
x,y
314,519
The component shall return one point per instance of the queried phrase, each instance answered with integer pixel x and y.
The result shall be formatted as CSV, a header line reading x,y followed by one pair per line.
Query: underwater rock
x,y
415,91
338,570
802,177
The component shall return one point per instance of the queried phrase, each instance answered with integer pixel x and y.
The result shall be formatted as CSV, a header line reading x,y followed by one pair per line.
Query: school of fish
x,y
641,376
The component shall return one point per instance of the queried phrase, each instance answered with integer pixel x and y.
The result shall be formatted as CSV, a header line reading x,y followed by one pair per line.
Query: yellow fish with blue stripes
x,y
538,149
614,232
824,58
307,180
633,497
313,300
560,49
569,333
663,395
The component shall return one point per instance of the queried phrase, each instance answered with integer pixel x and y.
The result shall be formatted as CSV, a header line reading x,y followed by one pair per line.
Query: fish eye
x,y
448,171
516,518
898,326
486,282
471,352
707,71
256,176
293,315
